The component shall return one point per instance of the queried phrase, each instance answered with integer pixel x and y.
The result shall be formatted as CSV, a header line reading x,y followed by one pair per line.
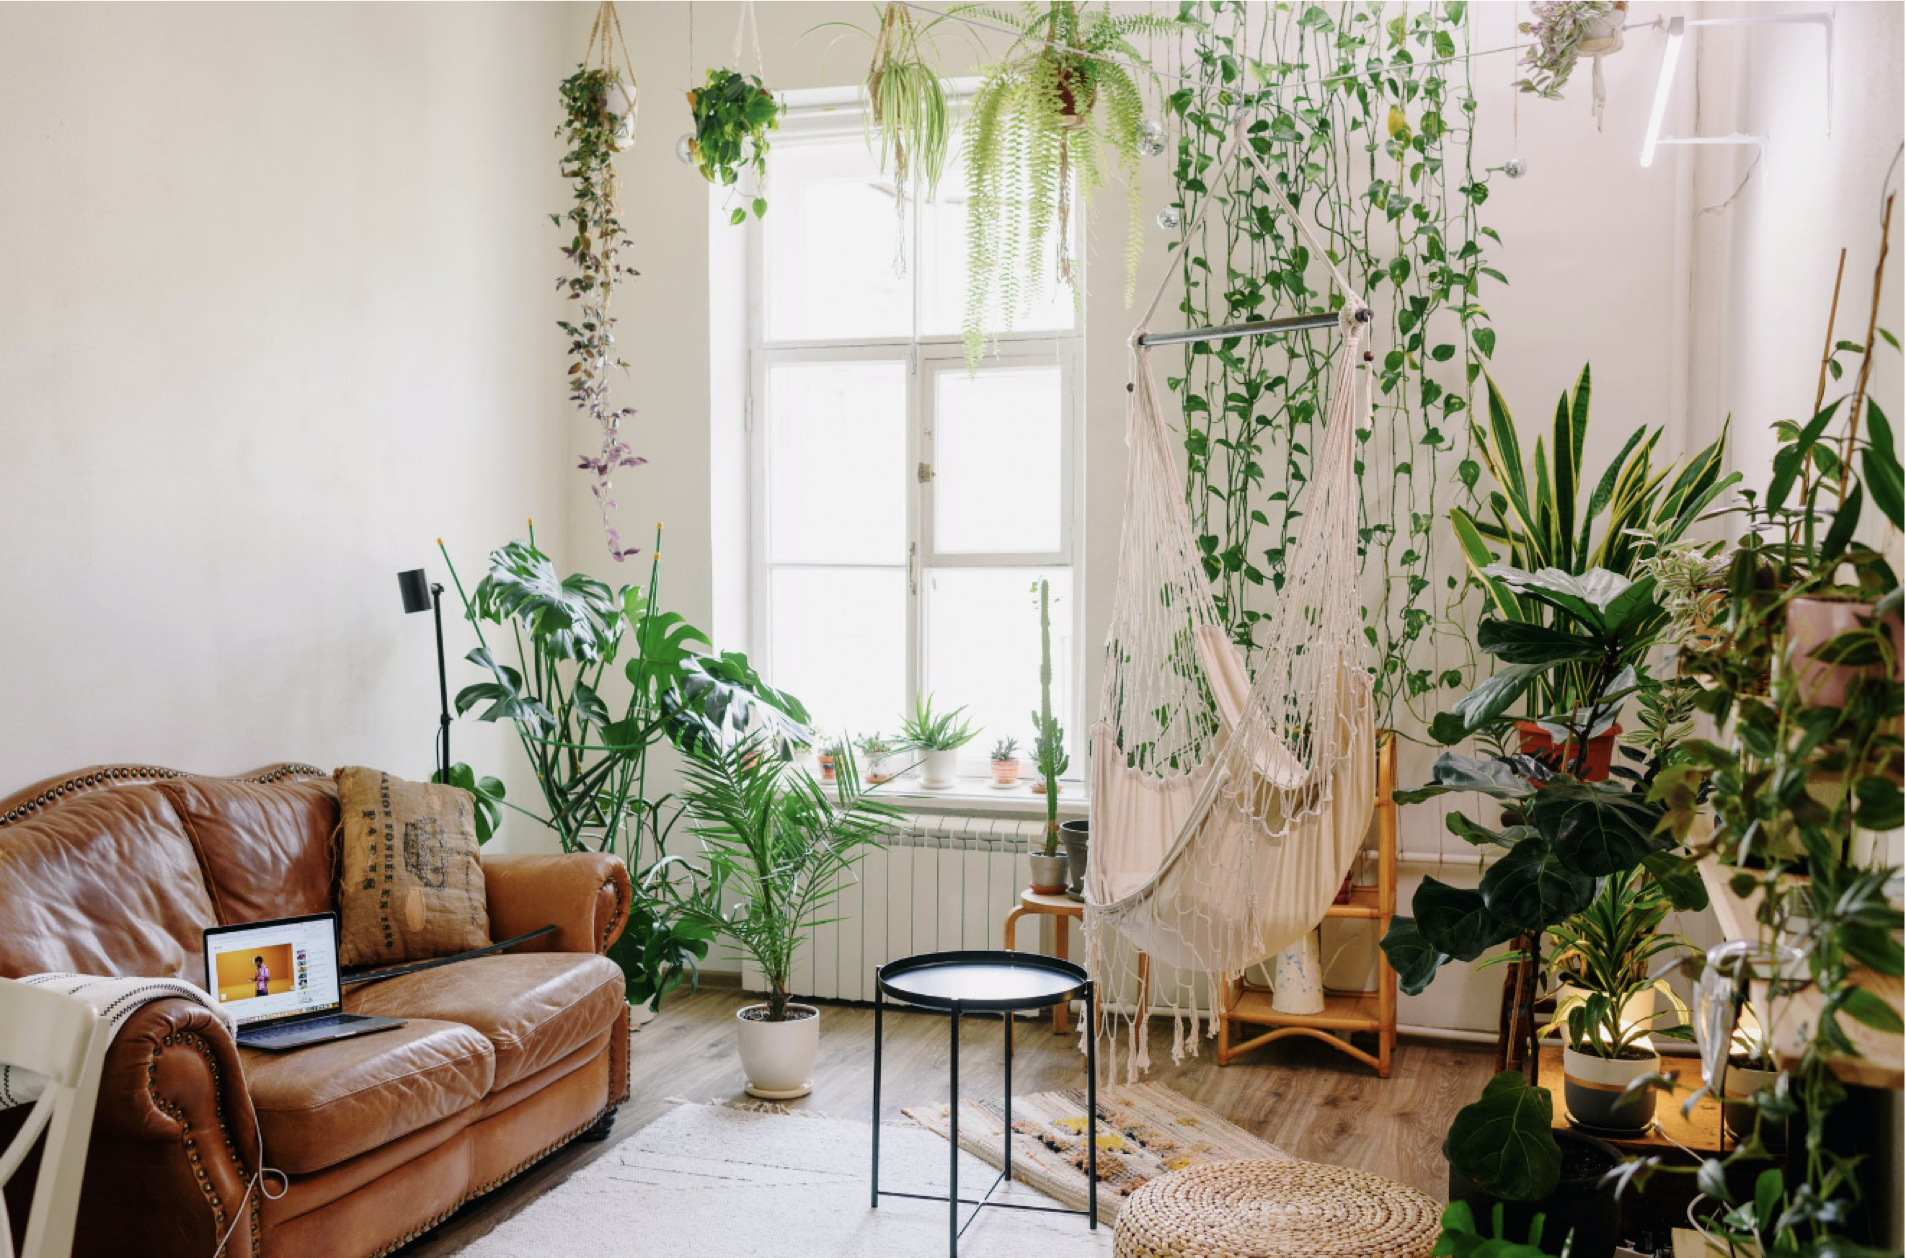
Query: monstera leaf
x,y
486,797
571,619
504,695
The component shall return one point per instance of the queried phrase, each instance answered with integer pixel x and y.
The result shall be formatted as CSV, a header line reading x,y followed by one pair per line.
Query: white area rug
x,y
708,1182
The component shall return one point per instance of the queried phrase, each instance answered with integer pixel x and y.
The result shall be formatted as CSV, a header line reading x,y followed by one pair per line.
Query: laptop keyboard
x,y
304,1028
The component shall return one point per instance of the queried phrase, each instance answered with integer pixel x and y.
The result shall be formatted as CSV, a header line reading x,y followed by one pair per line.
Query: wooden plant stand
x,y
1062,909
1345,1013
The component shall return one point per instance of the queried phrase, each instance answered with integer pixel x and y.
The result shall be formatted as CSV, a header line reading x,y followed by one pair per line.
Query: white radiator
x,y
946,883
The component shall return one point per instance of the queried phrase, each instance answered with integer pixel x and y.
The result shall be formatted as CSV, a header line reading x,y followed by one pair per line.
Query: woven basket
x,y
1276,1210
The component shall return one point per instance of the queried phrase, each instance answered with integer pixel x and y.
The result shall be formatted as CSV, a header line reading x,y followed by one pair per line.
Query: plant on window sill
x,y
1049,740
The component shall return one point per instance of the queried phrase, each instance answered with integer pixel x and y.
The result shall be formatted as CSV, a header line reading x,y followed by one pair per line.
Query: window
x,y
903,507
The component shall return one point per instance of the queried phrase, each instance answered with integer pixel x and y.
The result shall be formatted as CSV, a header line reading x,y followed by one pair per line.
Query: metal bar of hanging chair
x,y
1260,327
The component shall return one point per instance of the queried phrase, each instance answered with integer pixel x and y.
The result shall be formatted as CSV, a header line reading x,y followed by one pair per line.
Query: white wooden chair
x,y
65,1041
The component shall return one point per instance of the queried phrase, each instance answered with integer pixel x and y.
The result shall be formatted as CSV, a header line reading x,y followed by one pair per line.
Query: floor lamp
x,y
422,594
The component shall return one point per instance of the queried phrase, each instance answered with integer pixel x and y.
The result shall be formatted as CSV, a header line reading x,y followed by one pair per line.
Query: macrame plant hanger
x,y
605,40
1227,800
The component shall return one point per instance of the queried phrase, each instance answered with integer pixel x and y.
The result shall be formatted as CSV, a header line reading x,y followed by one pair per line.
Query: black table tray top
x,y
981,980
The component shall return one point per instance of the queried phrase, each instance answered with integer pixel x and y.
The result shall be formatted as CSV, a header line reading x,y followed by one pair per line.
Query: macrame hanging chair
x,y
1227,801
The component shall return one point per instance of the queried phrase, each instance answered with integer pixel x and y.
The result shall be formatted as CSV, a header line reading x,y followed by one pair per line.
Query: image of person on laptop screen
x,y
261,976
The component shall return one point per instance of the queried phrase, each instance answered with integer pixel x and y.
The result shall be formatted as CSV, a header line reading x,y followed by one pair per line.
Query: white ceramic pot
x,y
640,1016
939,769
1596,1089
1740,1083
1297,979
619,100
778,1057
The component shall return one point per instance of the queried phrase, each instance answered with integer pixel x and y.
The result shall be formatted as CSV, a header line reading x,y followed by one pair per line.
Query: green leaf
x,y
1410,955
1502,1141
1456,921
1881,475
1678,879
737,217
1485,339
1531,888
1491,696
486,798
1868,1009
1516,642
1794,456
1455,772
1598,828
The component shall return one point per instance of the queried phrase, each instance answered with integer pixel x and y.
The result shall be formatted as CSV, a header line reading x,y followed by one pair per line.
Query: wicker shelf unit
x,y
1248,1004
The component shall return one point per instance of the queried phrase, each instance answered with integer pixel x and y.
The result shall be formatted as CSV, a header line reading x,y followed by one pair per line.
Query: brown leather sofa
x,y
116,870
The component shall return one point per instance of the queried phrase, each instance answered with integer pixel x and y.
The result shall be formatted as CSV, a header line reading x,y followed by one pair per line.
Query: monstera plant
x,y
590,760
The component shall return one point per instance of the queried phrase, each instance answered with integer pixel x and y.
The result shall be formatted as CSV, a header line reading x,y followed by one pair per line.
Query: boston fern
x,y
1368,126
1050,117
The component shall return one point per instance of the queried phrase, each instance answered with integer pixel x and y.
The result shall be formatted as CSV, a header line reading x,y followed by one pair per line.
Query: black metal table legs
x,y
953,1199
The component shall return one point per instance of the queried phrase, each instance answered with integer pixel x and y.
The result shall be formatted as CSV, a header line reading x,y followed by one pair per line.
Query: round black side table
x,y
986,981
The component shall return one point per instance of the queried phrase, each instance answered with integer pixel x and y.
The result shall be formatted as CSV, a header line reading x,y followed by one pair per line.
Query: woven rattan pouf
x,y
1275,1209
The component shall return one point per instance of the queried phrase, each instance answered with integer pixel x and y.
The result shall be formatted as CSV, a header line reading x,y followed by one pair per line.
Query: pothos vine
x,y
1365,113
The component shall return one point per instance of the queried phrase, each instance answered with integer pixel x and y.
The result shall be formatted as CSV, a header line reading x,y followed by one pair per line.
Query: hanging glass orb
x,y
1168,218
623,138
1516,167
685,150
1151,137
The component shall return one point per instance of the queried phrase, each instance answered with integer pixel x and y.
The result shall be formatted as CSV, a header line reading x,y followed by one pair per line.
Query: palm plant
x,y
1053,115
775,844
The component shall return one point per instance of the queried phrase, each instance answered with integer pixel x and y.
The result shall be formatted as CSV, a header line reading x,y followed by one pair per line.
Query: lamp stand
x,y
443,689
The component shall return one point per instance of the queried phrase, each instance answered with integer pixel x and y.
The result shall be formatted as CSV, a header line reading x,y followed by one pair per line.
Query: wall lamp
x,y
1678,31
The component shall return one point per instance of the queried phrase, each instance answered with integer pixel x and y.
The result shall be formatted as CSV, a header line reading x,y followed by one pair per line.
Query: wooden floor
x,y
1299,1095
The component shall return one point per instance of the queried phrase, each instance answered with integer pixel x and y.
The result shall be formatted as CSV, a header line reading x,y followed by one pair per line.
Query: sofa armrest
x,y
585,895
175,1140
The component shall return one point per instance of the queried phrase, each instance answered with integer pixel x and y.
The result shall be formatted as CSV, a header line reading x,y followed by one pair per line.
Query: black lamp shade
x,y
415,588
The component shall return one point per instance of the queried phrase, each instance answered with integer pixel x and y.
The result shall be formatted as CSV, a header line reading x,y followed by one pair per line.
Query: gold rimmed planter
x,y
1597,1093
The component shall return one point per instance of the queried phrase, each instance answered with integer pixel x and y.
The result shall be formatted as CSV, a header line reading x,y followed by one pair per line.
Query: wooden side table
x,y
1062,909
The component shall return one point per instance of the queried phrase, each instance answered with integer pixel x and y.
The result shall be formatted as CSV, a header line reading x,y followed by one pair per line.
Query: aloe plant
x,y
927,730
1052,116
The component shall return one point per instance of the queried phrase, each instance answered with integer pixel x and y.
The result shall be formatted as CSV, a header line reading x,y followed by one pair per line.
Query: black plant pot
x,y
1077,836
1581,1204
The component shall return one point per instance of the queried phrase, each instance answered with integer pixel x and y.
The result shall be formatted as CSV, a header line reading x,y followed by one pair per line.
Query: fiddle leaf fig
x,y
1502,1142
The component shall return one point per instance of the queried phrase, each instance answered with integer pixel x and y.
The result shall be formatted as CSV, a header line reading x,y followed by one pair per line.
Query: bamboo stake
x,y
1866,359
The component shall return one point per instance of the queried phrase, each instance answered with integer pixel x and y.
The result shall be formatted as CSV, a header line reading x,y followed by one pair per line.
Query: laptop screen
x,y
274,969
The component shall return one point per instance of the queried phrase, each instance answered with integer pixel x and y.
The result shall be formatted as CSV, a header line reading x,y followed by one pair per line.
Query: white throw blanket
x,y
114,1000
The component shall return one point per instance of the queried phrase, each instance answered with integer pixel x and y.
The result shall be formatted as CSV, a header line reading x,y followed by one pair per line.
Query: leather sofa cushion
x,y
265,848
106,883
535,1008
321,1105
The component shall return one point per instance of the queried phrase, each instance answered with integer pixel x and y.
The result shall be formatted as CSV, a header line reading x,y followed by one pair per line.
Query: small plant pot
x,y
1537,742
1811,624
1048,874
1603,34
882,769
1596,1091
778,1057
1077,836
1582,1210
939,770
640,1015
1005,772
1737,1086
1039,787
827,767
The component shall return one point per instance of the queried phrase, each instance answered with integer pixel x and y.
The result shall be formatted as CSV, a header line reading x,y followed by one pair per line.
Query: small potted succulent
x,y
1005,762
827,755
938,737
733,113
877,753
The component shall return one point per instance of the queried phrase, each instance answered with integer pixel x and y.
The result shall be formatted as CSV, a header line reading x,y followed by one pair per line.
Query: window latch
x,y
924,472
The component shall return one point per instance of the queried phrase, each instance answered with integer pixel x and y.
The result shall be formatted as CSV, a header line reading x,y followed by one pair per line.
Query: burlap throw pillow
x,y
410,886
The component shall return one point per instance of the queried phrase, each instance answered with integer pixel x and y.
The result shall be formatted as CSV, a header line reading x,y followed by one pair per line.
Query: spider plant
x,y
1051,117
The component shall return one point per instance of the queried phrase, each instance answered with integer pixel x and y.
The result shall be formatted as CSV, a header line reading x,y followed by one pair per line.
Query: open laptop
x,y
280,980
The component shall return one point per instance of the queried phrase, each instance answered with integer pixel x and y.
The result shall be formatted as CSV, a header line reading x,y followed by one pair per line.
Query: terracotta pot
x,y
1039,787
1811,624
1538,743
1596,1089
778,1057
1005,772
1048,874
827,768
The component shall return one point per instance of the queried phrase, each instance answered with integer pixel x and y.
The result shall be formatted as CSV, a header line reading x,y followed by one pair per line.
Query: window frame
x,y
826,117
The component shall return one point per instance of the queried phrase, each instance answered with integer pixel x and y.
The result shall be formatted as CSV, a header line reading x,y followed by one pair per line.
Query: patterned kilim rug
x,y
1145,1130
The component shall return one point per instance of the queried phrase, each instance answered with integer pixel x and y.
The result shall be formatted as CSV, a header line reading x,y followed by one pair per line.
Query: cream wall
x,y
276,314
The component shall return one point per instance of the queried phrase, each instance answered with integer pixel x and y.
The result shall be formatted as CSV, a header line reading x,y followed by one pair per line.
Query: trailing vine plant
x,y
734,112
1365,113
1047,122
597,105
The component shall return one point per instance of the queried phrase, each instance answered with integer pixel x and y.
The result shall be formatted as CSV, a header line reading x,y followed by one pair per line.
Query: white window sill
x,y
979,795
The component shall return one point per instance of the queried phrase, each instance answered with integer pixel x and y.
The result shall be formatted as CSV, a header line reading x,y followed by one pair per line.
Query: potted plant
x,y
1604,959
1049,757
774,846
733,115
938,737
1561,33
878,754
1059,110
1005,762
827,755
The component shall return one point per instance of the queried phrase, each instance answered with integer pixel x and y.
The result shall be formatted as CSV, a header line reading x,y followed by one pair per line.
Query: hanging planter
x,y
1562,33
599,110
1059,110
733,113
